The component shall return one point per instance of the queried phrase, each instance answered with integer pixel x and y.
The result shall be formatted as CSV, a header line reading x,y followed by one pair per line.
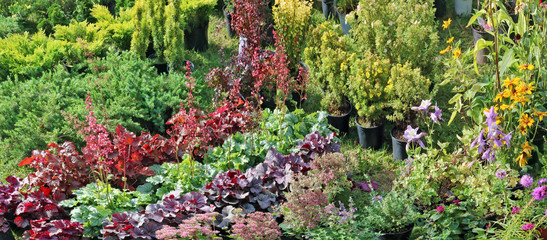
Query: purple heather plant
x,y
199,226
412,136
526,181
495,138
515,210
528,227
256,226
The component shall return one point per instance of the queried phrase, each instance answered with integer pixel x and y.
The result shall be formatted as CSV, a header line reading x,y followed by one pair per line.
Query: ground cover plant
x,y
98,143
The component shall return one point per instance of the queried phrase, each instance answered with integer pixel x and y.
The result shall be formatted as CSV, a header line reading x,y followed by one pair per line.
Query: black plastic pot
x,y
196,37
440,8
343,23
6,235
399,147
340,122
228,19
481,54
328,8
163,68
405,235
372,137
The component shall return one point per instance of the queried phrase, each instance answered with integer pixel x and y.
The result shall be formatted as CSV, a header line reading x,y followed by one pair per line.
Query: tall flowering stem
x,y
491,138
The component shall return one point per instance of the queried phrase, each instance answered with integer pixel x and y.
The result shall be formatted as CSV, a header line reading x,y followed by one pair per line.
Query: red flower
x,y
457,202
440,209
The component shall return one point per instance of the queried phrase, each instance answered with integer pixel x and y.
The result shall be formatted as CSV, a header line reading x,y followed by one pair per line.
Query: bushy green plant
x,y
9,25
187,176
368,88
291,23
328,55
276,130
42,110
197,11
93,204
457,220
393,213
408,87
401,31
28,55
346,6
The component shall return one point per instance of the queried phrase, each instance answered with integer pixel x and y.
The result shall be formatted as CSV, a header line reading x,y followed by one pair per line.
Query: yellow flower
x,y
525,89
447,49
525,123
521,160
540,114
457,53
525,153
446,23
505,106
526,66
527,149
450,40
511,82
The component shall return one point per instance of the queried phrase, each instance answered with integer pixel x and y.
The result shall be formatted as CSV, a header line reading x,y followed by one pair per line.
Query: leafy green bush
x,y
187,176
9,25
34,113
93,204
276,130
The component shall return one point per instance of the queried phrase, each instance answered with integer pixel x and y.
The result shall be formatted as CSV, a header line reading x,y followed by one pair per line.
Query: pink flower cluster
x,y
306,208
99,145
196,227
255,226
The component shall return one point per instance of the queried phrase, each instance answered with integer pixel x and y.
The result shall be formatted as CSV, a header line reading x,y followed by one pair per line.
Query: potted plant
x,y
328,8
409,87
164,25
399,30
196,13
328,56
343,7
368,89
393,216
463,7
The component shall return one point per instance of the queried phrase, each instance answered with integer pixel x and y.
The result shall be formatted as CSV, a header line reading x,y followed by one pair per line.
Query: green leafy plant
x,y
393,213
92,205
328,55
346,6
409,87
401,31
292,22
187,176
369,89
241,151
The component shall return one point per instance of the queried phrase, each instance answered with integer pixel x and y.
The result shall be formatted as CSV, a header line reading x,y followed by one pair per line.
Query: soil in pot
x,y
403,235
369,136
398,143
340,120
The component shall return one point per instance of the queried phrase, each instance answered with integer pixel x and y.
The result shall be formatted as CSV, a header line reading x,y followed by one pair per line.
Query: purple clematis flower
x,y
412,135
491,117
424,106
437,115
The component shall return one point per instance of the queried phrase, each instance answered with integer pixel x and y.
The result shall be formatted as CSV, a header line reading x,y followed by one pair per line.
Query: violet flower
x,y
494,138
539,193
528,226
437,115
411,135
526,181
424,106
542,181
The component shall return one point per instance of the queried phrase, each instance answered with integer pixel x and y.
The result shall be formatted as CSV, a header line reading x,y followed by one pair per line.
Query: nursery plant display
x,y
95,143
